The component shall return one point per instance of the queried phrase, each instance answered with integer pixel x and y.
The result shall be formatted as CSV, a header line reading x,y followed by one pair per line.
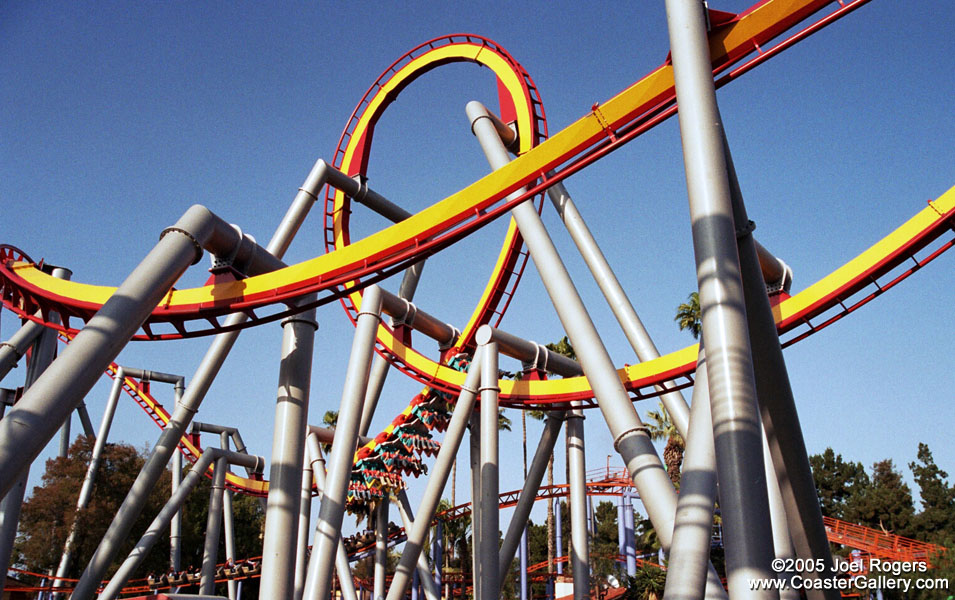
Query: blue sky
x,y
118,116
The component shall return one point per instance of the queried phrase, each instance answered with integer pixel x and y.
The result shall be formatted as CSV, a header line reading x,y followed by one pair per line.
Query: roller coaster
x,y
747,436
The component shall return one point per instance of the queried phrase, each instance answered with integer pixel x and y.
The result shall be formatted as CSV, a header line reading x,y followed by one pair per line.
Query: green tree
x,y
688,315
886,504
936,521
51,509
661,427
47,516
647,584
839,484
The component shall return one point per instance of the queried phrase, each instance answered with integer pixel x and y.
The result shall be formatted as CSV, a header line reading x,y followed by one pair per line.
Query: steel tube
x,y
44,350
525,502
490,482
85,420
558,533
154,531
228,525
210,549
577,468
186,408
436,481
616,297
423,571
739,453
15,347
304,517
782,542
528,352
342,568
630,435
381,547
689,556
32,423
777,406
328,527
401,310
288,452
477,508
86,490
175,525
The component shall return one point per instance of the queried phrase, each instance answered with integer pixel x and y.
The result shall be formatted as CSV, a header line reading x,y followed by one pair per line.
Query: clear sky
x,y
115,117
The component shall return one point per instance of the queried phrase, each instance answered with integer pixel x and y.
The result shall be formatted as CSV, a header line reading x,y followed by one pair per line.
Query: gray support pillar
x,y
328,528
15,347
431,589
631,438
345,580
86,490
304,517
161,522
210,549
85,420
630,537
6,399
44,349
739,453
558,531
381,547
288,451
622,532
577,471
490,483
228,525
616,297
436,481
477,507
780,419
782,542
522,580
65,436
32,423
692,531
175,524
185,409
518,524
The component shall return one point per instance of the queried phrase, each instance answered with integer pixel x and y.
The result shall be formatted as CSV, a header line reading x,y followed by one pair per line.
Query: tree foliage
x,y
688,315
48,514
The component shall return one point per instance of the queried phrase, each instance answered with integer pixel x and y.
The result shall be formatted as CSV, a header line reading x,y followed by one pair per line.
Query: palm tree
x,y
662,427
688,315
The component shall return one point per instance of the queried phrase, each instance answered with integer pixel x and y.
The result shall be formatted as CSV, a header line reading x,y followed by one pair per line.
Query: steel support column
x,y
780,419
381,547
288,452
342,568
44,350
490,472
210,549
532,482
690,552
423,572
201,381
161,522
739,453
577,471
437,480
328,527
86,489
631,437
616,297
